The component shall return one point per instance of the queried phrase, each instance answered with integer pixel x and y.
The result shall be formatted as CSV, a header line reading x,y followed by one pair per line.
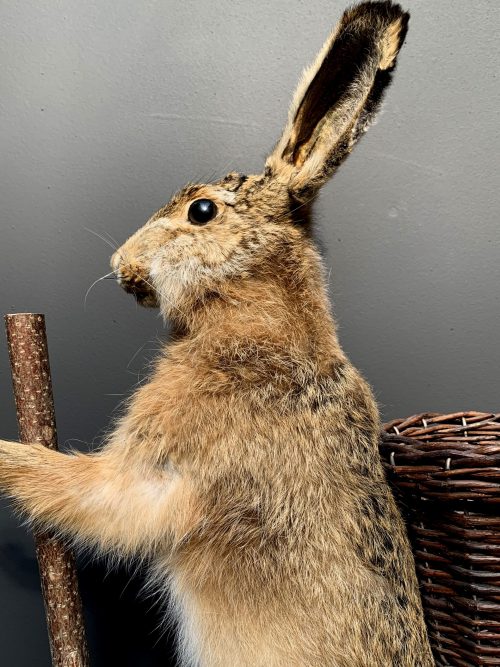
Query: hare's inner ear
x,y
338,95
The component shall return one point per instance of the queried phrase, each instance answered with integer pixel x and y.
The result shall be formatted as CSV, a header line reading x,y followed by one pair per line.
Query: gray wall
x,y
108,107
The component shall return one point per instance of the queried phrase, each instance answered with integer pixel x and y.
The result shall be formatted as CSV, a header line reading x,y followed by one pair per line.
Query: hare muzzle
x,y
133,277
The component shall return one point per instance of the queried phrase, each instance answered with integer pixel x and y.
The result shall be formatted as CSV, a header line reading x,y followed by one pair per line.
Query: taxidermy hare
x,y
247,470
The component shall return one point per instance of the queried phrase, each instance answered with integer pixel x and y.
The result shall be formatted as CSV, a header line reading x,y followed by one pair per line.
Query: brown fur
x,y
247,469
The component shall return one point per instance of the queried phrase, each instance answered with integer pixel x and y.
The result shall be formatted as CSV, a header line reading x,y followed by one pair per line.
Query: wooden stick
x,y
32,383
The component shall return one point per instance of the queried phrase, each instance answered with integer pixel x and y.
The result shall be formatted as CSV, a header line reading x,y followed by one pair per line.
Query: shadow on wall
x,y
19,565
122,623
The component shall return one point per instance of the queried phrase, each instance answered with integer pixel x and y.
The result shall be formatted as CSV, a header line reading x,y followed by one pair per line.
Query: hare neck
x,y
283,315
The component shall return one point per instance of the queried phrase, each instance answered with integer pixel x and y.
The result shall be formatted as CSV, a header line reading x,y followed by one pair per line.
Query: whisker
x,y
103,238
111,238
105,277
135,354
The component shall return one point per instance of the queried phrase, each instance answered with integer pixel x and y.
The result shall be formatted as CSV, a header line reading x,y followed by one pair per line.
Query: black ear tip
x,y
385,9
380,18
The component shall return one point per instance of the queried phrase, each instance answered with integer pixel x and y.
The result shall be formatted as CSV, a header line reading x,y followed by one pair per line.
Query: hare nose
x,y
114,262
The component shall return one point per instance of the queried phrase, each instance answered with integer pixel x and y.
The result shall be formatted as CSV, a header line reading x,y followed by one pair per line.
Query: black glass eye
x,y
202,211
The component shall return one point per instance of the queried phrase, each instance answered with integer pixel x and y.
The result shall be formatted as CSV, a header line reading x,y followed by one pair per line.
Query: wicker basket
x,y
445,470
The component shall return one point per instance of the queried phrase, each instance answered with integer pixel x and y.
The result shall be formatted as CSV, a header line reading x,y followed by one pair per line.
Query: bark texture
x,y
32,384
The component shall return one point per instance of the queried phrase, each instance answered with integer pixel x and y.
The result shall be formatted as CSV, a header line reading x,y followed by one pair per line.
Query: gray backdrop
x,y
108,107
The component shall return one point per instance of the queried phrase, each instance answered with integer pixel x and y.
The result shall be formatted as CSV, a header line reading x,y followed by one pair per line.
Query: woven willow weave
x,y
445,472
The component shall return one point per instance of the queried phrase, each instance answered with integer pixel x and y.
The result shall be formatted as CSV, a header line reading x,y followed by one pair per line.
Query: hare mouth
x,y
146,298
140,289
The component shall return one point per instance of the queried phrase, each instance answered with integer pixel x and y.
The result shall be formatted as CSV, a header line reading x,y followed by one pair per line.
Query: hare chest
x,y
216,634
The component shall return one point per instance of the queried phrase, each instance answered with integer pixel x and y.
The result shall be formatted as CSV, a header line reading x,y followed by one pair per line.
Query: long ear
x,y
338,96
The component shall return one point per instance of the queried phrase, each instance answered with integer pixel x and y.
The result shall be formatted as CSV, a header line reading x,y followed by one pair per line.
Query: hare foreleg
x,y
97,499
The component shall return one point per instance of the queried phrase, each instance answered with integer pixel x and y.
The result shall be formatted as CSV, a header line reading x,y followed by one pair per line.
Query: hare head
x,y
210,237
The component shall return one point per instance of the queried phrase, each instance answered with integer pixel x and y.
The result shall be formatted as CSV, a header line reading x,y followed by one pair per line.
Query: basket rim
x,y
453,456
471,418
